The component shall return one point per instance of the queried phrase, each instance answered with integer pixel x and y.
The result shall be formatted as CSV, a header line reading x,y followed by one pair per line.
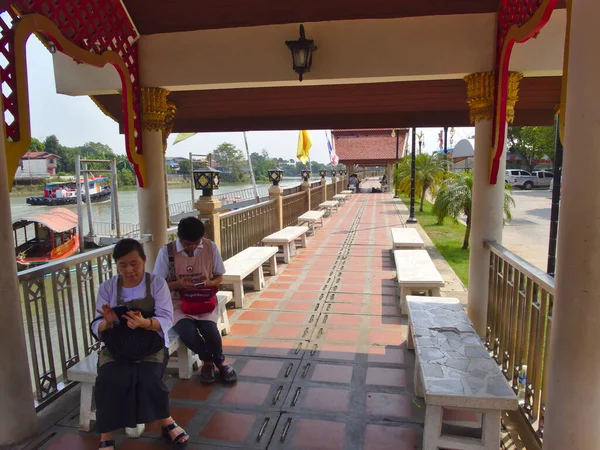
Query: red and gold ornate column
x,y
487,212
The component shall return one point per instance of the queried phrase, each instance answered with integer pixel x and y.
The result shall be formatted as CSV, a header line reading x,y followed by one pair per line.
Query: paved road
x,y
527,235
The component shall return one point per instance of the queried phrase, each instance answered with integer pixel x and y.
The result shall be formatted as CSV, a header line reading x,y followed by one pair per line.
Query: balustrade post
x,y
276,193
334,181
305,186
324,185
17,413
209,206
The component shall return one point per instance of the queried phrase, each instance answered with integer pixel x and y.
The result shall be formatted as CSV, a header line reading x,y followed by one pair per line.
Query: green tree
x,y
36,146
429,174
455,200
228,156
184,167
532,143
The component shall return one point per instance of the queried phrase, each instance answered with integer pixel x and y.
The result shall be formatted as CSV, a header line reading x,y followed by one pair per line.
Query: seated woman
x,y
190,262
134,314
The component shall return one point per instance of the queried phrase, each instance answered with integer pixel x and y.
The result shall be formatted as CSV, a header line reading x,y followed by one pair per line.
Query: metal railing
x,y
330,191
242,195
316,197
59,302
180,208
519,326
294,206
107,229
246,227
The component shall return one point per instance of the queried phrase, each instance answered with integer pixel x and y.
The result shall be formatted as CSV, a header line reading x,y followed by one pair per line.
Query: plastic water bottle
x,y
522,384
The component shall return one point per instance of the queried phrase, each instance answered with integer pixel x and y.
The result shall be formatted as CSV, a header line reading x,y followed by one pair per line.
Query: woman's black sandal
x,y
107,444
177,441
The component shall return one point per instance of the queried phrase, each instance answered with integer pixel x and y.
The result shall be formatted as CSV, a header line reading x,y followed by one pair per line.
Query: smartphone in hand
x,y
200,284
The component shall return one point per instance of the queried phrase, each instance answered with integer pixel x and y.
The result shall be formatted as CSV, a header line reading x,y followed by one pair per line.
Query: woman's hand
x,y
136,320
109,315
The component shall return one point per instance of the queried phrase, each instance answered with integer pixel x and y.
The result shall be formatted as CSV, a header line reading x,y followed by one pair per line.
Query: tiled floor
x,y
320,353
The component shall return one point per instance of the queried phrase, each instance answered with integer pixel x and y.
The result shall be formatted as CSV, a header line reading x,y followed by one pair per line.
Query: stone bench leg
x,y
185,361
223,321
403,292
238,293
433,439
273,265
410,343
287,253
86,414
418,381
303,241
258,279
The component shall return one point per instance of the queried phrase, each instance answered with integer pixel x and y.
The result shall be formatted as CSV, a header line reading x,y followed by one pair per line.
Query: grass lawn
x,y
448,238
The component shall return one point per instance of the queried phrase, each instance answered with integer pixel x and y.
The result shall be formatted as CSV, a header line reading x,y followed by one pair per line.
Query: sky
x,y
77,120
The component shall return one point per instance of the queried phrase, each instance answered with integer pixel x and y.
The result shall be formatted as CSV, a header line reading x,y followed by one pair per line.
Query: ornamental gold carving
x,y
154,108
480,95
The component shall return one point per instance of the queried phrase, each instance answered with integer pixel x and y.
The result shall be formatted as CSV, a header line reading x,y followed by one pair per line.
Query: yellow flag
x,y
304,145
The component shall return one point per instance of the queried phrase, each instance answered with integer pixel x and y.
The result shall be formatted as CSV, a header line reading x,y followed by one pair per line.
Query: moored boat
x,y
47,237
65,193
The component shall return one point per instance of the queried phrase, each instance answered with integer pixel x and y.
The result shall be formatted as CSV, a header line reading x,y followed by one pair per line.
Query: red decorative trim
x,y
94,25
518,21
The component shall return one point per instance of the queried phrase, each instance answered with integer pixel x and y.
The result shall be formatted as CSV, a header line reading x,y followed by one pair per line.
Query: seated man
x,y
189,262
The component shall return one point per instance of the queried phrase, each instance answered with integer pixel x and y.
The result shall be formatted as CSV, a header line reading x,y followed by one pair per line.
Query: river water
x,y
127,203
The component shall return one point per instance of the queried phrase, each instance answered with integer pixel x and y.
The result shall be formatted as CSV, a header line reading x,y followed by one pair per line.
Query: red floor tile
x,y
245,329
344,335
388,405
383,437
75,441
386,355
229,427
287,331
272,294
263,304
261,368
318,435
254,316
192,390
380,376
332,373
346,308
298,318
325,400
386,337
280,286
299,306
305,296
337,352
247,393
344,320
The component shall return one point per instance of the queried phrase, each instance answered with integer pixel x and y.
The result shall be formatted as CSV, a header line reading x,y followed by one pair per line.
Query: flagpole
x,y
251,169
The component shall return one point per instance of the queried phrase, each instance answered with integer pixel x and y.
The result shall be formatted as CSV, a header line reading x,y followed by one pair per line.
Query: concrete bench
x,y
286,238
86,370
346,192
249,262
406,239
416,274
329,207
453,370
311,219
340,198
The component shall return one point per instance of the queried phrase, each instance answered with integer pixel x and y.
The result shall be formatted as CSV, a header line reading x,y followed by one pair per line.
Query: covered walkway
x,y
320,353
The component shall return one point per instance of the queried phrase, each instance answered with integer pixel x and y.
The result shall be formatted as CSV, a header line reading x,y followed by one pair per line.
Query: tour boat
x,y
65,192
44,238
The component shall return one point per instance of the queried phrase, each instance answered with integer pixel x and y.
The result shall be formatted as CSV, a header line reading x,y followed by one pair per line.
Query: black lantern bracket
x,y
302,50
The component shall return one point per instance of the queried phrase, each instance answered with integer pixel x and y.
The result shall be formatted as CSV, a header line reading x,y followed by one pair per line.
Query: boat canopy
x,y
58,220
73,181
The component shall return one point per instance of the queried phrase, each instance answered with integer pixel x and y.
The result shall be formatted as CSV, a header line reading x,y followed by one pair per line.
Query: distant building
x,y
173,164
37,165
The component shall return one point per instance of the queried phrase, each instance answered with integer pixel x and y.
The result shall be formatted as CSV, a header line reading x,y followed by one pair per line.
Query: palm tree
x,y
455,200
429,174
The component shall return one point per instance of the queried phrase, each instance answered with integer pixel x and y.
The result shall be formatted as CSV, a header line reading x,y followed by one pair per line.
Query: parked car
x,y
525,180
